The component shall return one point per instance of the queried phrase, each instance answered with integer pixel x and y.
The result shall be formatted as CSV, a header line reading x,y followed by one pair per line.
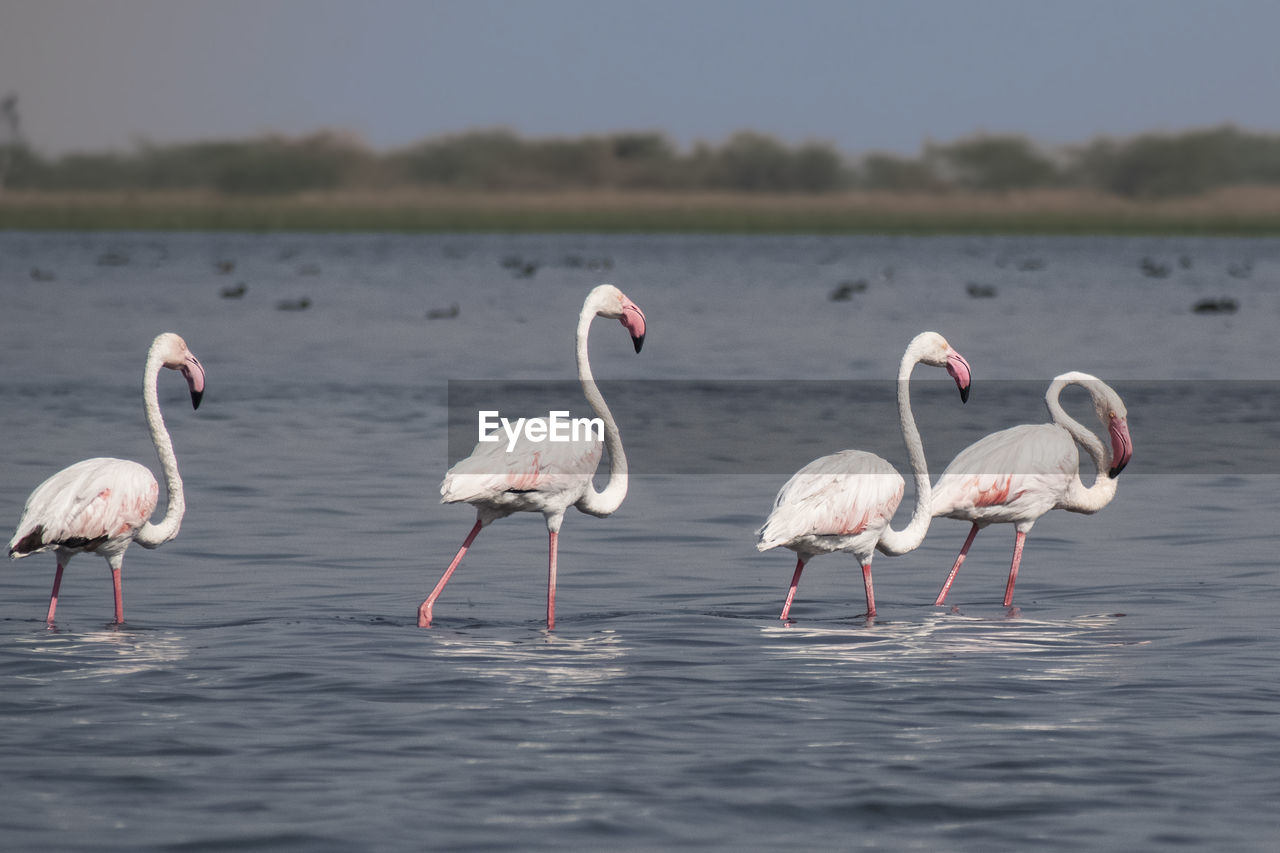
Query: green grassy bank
x,y
1241,212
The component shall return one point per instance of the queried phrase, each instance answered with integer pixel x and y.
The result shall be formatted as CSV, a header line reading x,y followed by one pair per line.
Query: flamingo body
x,y
103,505
844,501
1017,475
96,505
546,477
540,477
839,502
1012,476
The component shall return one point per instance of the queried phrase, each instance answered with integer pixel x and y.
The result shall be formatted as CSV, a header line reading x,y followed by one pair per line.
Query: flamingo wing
x,y
544,467
1017,473
843,494
85,506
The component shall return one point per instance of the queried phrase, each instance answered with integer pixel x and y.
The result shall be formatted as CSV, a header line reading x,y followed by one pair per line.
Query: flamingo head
x,y
934,350
175,355
1121,444
608,301
1113,415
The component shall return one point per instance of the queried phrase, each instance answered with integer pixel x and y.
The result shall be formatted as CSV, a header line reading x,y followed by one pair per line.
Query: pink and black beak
x,y
633,319
1121,445
960,372
193,372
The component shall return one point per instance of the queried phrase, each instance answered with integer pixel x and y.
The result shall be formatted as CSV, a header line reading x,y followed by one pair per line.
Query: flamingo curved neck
x,y
1081,498
895,542
152,535
604,502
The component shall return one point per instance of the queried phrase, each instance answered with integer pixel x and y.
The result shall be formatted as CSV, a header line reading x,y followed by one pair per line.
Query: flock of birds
x,y
842,502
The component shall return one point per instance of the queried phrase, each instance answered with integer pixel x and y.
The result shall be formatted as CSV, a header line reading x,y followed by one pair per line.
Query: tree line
x,y
1153,165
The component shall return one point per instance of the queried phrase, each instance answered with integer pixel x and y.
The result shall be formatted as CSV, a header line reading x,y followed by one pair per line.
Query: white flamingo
x,y
546,477
844,501
102,505
1017,475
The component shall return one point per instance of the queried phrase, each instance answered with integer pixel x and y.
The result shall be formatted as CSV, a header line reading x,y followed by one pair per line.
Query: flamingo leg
x,y
791,593
116,564
1018,541
115,582
871,594
424,610
53,596
552,547
964,551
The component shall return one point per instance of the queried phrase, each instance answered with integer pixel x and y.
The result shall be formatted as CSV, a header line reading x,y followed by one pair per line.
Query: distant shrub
x,y
1146,166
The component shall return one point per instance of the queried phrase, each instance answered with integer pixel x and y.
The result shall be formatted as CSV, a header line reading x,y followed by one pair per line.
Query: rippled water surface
x,y
271,689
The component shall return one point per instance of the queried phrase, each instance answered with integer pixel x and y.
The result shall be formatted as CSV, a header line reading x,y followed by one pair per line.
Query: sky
x,y
862,75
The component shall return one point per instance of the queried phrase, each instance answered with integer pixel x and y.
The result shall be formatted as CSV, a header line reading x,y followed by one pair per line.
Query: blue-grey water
x,y
271,690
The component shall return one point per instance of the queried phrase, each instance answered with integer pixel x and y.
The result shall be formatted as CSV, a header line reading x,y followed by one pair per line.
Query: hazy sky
x,y
861,74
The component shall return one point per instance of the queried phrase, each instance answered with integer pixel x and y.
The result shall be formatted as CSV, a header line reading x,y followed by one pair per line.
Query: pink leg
x,y
552,546
791,593
53,596
424,610
946,587
115,581
1013,569
871,594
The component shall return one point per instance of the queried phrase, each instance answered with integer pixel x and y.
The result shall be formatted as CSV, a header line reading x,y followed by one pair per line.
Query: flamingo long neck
x,y
1081,498
605,502
894,542
151,535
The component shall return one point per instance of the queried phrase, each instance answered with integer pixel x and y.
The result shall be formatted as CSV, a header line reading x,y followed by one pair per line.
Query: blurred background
x,y
1141,100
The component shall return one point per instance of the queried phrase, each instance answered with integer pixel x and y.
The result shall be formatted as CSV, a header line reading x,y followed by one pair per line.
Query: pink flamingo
x,y
844,501
102,505
546,477
1017,475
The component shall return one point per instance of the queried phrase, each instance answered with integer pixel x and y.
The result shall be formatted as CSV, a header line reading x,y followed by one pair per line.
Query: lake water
x,y
271,690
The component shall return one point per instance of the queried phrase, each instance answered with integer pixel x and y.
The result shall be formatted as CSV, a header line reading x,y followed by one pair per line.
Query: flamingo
x,y
546,477
102,505
844,501
1017,475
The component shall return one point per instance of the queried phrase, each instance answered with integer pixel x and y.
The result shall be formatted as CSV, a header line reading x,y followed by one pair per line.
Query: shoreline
x,y
1239,211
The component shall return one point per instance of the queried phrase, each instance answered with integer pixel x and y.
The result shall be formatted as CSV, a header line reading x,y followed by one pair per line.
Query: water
x,y
271,688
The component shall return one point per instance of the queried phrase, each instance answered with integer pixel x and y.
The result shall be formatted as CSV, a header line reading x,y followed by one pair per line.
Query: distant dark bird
x,y
520,267
234,292
1216,305
38,274
980,291
112,259
443,313
301,304
1240,269
1152,268
844,290
224,267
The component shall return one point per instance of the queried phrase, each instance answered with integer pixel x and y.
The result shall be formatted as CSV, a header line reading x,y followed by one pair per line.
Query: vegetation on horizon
x,y
1149,166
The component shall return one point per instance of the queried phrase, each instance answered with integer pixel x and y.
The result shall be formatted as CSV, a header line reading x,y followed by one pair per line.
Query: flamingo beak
x,y
193,372
633,319
960,372
1121,446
